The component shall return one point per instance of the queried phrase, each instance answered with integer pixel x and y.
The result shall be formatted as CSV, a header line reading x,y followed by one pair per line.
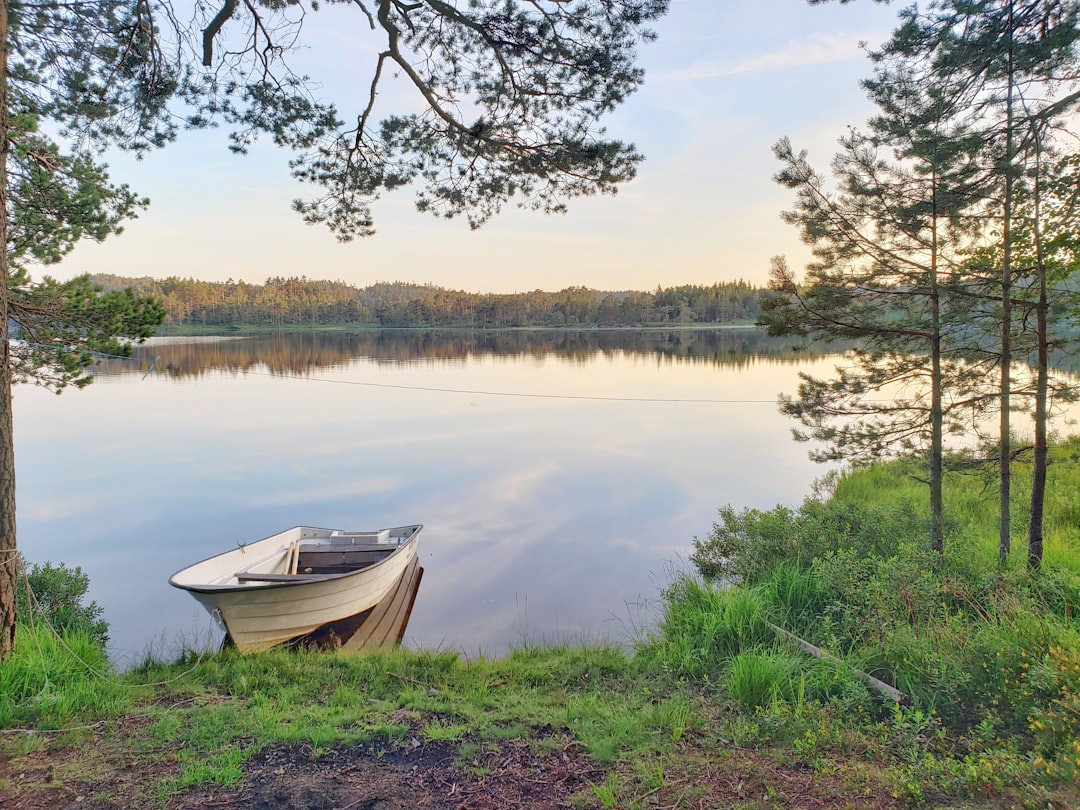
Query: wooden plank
x,y
885,689
247,576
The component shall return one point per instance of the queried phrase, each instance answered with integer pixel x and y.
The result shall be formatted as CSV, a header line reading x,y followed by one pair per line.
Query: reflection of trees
x,y
301,353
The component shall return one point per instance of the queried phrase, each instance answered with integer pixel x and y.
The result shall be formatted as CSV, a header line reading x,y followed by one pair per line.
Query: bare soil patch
x,y
364,777
518,775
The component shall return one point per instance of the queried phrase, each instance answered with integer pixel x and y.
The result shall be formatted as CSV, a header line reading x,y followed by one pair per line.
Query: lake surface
x,y
560,476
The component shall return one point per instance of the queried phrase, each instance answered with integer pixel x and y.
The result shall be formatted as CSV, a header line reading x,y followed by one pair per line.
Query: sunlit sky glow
x,y
724,81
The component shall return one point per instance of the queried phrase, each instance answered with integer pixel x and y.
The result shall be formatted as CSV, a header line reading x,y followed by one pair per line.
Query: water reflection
x,y
547,516
379,628
300,353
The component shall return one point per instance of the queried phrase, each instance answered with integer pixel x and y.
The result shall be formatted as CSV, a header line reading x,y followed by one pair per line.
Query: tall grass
x,y
757,679
705,626
52,682
795,595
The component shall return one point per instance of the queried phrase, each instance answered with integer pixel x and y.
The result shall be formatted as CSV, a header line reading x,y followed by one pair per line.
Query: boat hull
x,y
261,604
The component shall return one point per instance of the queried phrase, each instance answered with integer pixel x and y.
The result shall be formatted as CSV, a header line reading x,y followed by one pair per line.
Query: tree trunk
x,y
1005,438
1038,482
1042,374
937,505
8,554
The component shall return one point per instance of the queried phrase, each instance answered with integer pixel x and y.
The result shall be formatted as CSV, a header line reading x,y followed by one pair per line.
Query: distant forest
x,y
303,301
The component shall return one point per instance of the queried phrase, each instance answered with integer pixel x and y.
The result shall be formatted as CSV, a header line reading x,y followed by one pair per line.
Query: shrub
x,y
869,597
745,546
56,596
1056,723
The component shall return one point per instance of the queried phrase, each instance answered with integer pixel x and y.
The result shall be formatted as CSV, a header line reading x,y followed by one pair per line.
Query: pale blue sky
x,y
725,80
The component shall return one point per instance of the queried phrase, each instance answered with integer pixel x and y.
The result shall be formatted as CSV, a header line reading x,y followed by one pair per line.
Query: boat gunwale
x,y
315,579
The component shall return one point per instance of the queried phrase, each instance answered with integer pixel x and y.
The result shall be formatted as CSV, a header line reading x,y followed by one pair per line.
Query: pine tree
x,y
883,242
1019,60
1008,68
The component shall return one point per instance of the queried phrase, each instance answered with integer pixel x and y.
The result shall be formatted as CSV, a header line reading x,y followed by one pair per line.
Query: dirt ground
x,y
431,775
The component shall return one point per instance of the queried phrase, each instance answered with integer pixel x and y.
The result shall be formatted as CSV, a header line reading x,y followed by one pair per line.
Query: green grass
x,y
318,700
51,682
706,625
757,679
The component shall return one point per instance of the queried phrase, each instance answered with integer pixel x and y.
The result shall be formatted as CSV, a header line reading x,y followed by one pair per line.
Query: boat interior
x,y
339,553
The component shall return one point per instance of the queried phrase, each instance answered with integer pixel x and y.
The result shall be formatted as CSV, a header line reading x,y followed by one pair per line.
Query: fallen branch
x,y
888,691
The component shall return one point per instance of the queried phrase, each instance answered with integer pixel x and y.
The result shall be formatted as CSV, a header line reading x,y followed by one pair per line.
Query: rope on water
x,y
70,349
77,350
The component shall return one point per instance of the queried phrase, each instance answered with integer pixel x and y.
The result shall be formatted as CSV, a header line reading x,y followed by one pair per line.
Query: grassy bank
x,y
716,709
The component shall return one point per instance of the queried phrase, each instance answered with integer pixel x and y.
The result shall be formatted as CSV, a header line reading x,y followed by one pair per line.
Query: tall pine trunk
x,y
937,505
8,554
1038,482
1042,380
1035,526
1005,431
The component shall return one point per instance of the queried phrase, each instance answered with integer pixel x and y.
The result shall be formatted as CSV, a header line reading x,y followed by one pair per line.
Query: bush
x,y
870,597
56,597
1056,722
745,546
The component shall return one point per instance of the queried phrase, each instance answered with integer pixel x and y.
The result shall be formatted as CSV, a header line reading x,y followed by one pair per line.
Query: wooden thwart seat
x,y
248,576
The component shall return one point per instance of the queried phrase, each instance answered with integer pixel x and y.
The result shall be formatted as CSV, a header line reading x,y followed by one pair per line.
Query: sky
x,y
724,81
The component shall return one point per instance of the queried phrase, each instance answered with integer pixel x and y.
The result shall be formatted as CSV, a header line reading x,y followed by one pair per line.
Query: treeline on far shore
x,y
302,301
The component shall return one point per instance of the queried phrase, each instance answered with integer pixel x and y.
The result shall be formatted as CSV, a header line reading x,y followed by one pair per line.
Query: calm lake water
x,y
560,477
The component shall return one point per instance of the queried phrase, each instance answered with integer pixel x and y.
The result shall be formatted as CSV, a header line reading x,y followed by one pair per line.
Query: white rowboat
x,y
287,585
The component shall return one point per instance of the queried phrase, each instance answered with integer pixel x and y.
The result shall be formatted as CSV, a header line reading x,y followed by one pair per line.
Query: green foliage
x,y
609,792
743,546
56,597
61,325
704,626
54,681
796,595
224,767
509,95
310,302
59,199
1055,724
866,596
987,657
318,700
756,679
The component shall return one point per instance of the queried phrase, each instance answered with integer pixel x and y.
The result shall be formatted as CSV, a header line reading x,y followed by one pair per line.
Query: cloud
x,y
819,49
